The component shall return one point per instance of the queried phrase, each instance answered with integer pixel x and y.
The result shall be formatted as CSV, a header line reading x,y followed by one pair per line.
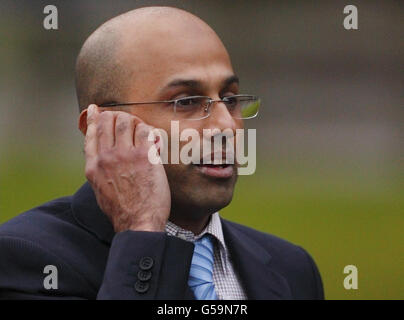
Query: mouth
x,y
217,165
216,170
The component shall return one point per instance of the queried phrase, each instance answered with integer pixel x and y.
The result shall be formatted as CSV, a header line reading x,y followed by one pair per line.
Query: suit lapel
x,y
253,264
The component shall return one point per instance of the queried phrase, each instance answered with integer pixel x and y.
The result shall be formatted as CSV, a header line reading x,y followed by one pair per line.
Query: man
x,y
138,230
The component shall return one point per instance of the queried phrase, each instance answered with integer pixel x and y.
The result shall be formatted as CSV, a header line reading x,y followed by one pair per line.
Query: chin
x,y
202,200
213,199
194,192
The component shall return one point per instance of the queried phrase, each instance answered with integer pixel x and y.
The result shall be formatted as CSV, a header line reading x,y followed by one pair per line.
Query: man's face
x,y
170,64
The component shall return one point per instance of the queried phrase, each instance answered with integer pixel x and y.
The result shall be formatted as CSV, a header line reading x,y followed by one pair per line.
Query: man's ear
x,y
83,121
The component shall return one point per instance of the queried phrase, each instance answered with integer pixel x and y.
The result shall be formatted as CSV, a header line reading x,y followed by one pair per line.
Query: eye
x,y
231,101
184,102
189,103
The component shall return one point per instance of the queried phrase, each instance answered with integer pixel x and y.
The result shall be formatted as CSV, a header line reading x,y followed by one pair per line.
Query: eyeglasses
x,y
198,107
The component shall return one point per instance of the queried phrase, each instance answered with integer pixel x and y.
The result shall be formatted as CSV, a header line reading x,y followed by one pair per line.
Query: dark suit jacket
x,y
74,235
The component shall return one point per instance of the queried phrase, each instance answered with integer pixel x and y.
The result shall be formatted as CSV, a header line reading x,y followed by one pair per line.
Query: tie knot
x,y
205,241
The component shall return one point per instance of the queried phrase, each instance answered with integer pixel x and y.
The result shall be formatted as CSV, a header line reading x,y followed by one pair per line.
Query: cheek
x,y
181,178
192,136
155,115
239,123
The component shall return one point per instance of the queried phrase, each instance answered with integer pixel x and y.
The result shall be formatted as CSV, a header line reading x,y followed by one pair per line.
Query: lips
x,y
220,169
216,170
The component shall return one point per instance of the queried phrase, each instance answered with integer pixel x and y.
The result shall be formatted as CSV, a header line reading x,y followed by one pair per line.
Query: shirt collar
x,y
214,228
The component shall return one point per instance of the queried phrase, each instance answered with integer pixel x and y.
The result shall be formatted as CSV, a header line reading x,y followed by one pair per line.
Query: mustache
x,y
216,149
221,157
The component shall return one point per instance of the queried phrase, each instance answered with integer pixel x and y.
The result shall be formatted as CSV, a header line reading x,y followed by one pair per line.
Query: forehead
x,y
161,55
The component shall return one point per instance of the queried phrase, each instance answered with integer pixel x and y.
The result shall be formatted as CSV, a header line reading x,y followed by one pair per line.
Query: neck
x,y
194,225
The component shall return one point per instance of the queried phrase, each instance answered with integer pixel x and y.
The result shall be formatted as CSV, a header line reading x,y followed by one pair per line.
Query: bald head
x,y
120,51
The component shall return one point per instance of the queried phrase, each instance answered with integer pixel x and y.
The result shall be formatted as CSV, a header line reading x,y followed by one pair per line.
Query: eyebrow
x,y
198,84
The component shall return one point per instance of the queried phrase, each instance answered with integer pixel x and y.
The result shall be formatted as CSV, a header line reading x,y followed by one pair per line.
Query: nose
x,y
220,118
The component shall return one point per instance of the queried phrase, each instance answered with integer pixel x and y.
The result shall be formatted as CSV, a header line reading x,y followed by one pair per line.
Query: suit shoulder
x,y
53,226
270,241
49,234
33,221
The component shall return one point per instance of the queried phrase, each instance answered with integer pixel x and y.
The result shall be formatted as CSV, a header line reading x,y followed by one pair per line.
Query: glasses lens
x,y
192,108
243,107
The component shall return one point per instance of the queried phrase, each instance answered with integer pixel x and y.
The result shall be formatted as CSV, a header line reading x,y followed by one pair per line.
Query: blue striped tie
x,y
201,273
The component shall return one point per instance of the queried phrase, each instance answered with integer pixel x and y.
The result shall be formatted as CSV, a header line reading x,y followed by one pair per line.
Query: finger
x,y
144,135
124,130
105,130
90,143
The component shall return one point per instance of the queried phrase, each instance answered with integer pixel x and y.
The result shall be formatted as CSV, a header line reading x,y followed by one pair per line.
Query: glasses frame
x,y
175,101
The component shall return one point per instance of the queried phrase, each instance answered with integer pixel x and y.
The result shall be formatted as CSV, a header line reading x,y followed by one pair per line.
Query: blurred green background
x,y
329,137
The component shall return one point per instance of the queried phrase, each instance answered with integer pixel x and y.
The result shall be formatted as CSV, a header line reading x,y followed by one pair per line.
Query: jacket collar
x,y
89,215
254,266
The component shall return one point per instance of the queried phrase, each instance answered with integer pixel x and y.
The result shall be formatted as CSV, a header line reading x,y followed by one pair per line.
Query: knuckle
x,y
141,153
105,160
100,130
87,143
143,130
90,172
122,123
121,157
121,127
144,126
105,115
